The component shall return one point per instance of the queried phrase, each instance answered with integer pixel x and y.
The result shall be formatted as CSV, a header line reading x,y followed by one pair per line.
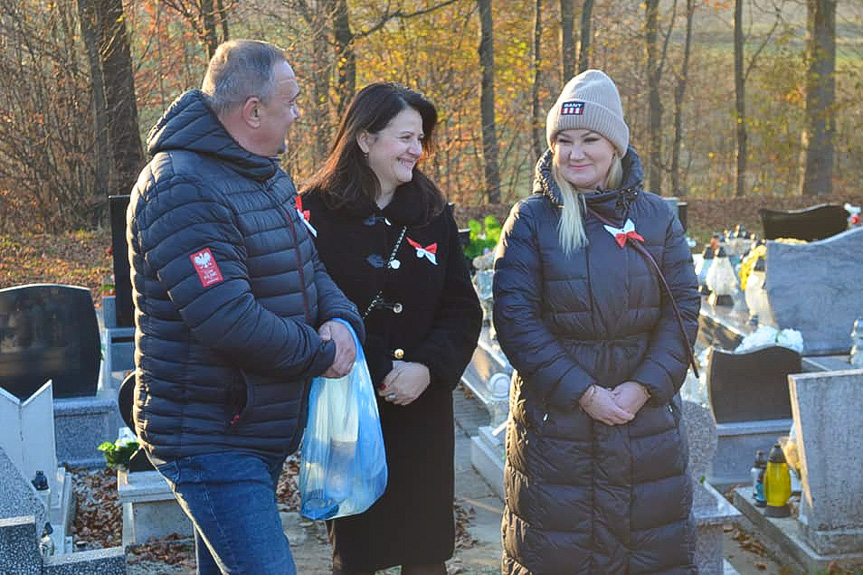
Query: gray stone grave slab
x,y
815,289
710,510
82,424
111,561
17,496
48,331
19,548
826,408
149,508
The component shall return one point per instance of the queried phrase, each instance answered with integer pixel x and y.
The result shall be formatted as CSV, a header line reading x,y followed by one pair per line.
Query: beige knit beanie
x,y
589,101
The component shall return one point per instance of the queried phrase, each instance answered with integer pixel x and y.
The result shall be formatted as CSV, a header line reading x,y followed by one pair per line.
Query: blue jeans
x,y
231,499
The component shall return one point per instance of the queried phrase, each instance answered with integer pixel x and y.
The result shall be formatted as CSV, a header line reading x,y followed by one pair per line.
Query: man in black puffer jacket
x,y
234,311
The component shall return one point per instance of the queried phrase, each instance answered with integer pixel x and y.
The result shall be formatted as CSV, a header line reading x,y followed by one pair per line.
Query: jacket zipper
x,y
299,266
287,217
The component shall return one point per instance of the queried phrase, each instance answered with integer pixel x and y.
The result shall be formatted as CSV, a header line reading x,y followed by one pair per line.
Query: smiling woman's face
x,y
583,158
394,151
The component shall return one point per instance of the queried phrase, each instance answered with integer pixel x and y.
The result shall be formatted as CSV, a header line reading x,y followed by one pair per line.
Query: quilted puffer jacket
x,y
581,496
228,291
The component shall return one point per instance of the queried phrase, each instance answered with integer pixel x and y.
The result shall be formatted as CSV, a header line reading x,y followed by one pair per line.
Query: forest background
x,y
732,104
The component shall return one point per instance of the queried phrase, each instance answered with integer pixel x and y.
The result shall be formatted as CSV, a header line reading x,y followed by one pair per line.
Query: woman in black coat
x,y
389,241
595,475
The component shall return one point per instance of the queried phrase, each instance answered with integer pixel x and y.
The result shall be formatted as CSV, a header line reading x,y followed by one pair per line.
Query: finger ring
x,y
391,396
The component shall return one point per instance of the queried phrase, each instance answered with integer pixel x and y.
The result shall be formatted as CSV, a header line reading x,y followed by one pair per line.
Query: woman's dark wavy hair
x,y
346,176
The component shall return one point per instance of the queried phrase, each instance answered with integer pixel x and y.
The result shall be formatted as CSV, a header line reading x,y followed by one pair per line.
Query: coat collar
x,y
407,207
612,204
190,124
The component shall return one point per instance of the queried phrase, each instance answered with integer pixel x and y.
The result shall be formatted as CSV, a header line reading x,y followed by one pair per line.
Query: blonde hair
x,y
570,231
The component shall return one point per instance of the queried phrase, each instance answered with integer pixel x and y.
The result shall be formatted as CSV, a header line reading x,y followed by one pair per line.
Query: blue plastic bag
x,y
343,468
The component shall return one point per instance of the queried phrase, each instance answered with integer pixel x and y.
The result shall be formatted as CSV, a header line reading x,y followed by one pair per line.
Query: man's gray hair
x,y
239,70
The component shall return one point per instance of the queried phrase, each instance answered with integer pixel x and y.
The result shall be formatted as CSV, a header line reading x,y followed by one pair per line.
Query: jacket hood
x,y
189,124
610,203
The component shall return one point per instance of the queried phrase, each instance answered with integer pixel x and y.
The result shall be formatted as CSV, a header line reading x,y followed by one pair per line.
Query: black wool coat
x,y
428,313
583,497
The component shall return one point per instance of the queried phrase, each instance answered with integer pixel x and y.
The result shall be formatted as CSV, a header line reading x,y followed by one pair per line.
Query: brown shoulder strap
x,y
643,251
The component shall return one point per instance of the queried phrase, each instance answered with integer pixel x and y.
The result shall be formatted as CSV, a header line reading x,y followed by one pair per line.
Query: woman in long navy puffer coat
x,y
596,473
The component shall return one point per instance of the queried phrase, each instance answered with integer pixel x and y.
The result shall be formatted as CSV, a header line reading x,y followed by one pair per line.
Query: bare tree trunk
x,y
679,93
816,156
567,40
585,36
489,133
208,17
223,20
90,27
537,130
346,58
654,151
127,152
740,100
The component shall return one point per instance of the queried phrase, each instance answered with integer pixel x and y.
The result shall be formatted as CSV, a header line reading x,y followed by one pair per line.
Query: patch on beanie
x,y
573,108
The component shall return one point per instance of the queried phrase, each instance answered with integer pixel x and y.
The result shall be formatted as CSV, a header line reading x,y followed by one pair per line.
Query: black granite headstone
x,y
48,331
751,386
810,224
122,282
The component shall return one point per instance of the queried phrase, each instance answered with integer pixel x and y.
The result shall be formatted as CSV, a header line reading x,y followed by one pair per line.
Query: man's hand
x,y
346,352
600,404
631,396
406,382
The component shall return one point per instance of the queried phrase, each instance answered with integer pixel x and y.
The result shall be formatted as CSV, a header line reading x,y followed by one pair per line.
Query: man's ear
x,y
364,140
252,112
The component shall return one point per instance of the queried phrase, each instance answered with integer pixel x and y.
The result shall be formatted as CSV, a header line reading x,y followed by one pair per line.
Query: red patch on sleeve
x,y
205,265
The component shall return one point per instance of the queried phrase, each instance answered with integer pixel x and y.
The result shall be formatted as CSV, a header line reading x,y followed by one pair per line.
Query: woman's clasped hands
x,y
406,382
617,406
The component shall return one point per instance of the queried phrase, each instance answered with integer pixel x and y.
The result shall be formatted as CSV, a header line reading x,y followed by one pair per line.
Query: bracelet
x,y
646,393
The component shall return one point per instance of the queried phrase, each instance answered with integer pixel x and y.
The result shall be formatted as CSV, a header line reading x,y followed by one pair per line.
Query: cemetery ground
x,y
83,258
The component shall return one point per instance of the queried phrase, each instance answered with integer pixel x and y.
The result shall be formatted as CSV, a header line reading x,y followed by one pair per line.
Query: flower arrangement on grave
x,y
760,251
767,335
748,263
118,453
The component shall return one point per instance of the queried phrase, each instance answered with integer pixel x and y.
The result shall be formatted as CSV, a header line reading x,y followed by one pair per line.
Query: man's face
x,y
280,111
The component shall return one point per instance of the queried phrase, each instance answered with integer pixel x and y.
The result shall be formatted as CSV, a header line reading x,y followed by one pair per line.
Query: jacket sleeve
x,y
183,219
525,339
332,302
664,367
449,345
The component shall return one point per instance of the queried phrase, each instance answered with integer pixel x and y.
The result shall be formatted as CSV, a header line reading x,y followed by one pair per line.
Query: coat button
x,y
398,353
397,308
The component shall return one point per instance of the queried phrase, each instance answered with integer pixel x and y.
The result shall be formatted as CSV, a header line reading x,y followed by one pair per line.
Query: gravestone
x,y
809,224
710,510
123,308
50,332
749,399
27,436
27,433
815,289
47,332
487,377
750,386
827,408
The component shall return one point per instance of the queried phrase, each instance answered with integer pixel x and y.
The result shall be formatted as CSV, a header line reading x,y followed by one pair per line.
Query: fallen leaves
x,y
463,518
